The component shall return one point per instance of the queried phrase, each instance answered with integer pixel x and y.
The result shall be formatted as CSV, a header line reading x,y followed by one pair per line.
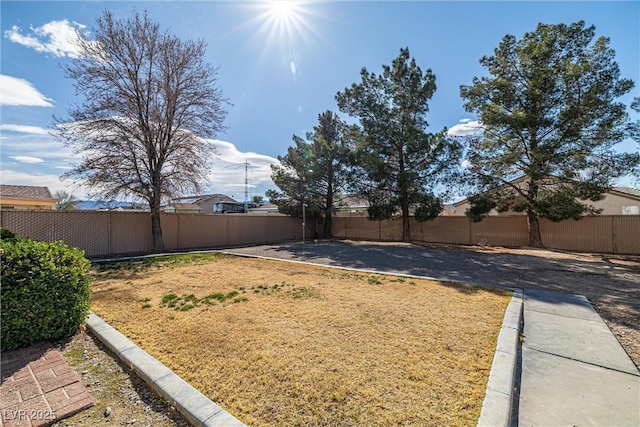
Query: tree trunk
x,y
535,238
156,230
326,229
406,232
328,212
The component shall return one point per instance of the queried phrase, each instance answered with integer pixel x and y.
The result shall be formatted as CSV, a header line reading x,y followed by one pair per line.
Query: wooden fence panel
x,y
276,227
389,230
199,231
130,232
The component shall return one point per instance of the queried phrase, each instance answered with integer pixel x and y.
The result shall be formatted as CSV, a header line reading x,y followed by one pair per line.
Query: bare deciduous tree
x,y
147,101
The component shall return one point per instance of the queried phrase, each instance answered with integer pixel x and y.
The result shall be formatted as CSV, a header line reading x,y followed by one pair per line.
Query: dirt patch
x,y
277,343
113,385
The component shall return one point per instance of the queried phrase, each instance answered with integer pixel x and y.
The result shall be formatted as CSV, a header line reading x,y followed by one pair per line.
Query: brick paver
x,y
39,388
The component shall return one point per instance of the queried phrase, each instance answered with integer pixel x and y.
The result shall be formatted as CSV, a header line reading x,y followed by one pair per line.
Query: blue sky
x,y
279,69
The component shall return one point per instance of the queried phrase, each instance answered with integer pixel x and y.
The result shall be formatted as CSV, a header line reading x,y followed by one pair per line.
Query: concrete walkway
x,y
574,371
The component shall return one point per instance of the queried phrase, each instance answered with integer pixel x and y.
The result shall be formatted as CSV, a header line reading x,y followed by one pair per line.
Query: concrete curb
x,y
193,405
498,405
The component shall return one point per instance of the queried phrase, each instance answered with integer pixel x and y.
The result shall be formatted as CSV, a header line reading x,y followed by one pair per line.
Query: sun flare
x,y
282,10
286,31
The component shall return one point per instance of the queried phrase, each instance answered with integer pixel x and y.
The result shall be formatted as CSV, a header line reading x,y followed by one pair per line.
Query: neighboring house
x,y
26,197
205,202
448,210
110,205
351,203
356,205
183,208
265,208
618,201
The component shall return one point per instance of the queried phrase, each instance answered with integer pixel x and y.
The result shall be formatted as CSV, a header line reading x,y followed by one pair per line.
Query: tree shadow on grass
x,y
607,281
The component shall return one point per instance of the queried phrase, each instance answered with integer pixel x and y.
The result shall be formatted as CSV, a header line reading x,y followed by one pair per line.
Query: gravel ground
x,y
610,282
121,397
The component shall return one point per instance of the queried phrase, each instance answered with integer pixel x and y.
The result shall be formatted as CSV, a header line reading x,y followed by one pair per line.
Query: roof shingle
x,y
25,191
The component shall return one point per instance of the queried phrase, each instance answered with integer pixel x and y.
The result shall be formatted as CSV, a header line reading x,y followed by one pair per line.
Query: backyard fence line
x,y
112,233
616,234
109,233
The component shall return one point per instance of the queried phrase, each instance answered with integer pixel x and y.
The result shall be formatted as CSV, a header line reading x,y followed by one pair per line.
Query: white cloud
x,y
59,38
466,127
33,130
53,182
15,91
36,144
228,172
27,159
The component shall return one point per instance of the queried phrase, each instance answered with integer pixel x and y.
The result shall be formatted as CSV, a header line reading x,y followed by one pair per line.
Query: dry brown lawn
x,y
278,343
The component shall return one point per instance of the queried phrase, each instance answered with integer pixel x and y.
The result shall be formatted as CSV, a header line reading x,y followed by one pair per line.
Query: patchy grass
x,y
130,268
310,345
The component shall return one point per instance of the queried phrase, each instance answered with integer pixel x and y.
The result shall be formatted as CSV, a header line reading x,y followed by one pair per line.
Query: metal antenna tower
x,y
246,165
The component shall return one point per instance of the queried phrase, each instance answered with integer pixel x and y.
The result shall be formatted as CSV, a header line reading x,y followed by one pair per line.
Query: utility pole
x,y
304,222
246,164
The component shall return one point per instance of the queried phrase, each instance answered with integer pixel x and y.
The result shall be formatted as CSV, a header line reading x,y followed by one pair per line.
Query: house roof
x,y
346,201
204,197
632,193
25,191
629,192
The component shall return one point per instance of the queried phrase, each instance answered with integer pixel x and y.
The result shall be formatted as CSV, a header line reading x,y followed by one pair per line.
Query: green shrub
x,y
45,291
6,234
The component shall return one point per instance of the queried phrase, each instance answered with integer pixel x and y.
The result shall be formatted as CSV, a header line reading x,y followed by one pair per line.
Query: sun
x,y
283,18
285,30
282,10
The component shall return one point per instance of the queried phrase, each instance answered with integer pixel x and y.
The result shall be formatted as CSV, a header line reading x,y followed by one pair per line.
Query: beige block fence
x,y
106,234
618,234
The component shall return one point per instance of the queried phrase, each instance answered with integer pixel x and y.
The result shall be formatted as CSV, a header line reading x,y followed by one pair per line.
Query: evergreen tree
x,y
314,171
399,166
550,120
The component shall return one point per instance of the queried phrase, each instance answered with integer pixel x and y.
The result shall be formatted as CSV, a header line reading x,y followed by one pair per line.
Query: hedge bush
x,y
45,290
6,234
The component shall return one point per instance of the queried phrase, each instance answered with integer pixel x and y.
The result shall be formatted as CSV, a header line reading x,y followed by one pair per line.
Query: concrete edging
x,y
499,400
198,409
